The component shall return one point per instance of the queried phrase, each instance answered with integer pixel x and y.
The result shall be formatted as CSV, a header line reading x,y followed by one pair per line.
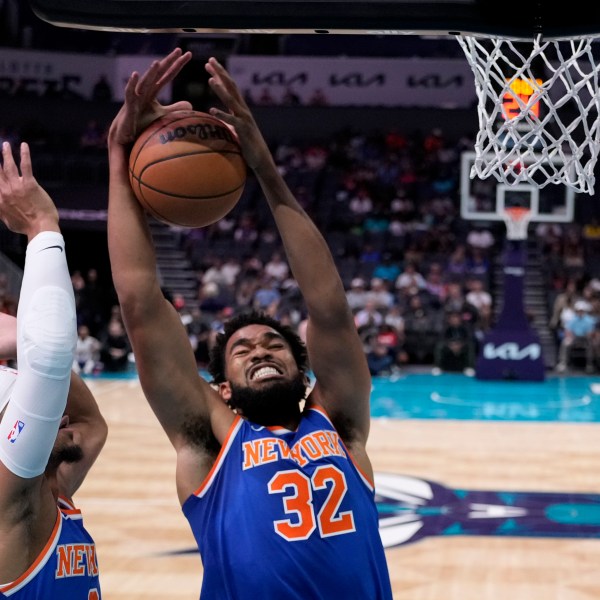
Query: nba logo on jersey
x,y
14,433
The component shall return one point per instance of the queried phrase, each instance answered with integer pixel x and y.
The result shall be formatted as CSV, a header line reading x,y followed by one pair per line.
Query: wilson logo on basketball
x,y
202,132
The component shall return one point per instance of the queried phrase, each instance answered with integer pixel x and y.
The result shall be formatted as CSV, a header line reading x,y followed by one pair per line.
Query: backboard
x,y
486,199
377,17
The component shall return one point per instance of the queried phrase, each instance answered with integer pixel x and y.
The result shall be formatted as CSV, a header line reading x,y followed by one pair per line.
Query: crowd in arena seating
x,y
420,280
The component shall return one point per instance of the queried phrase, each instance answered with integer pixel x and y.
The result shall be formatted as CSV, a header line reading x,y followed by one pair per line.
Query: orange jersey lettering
x,y
76,560
309,448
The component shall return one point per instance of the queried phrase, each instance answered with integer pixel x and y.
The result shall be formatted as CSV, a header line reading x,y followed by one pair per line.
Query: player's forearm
x,y
46,338
130,245
83,410
307,252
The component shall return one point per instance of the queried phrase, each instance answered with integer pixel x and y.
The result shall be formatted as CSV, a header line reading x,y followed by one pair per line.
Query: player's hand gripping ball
x,y
187,169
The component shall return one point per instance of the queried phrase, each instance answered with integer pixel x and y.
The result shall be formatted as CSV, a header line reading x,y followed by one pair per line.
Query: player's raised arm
x,y
164,358
335,351
46,326
33,439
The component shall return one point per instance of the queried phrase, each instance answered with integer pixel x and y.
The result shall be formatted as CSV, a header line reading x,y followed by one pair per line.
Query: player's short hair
x,y
216,365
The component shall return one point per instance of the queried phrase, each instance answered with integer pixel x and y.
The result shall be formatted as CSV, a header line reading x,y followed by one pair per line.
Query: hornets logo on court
x,y
411,509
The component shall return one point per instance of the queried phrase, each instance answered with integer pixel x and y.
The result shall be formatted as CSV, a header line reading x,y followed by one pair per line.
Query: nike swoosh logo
x,y
50,247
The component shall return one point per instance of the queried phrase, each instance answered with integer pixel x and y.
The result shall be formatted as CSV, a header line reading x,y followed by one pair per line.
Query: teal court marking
x,y
457,397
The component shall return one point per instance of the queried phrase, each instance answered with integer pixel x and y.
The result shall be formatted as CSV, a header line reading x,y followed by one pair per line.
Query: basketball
x,y
187,169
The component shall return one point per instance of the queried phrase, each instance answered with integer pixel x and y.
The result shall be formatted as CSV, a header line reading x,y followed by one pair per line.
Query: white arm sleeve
x,y
46,338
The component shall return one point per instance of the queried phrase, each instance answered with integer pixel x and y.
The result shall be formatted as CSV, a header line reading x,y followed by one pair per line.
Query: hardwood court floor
x,y
131,508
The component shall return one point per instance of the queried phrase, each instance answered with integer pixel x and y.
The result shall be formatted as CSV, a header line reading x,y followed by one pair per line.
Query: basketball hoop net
x,y
517,220
540,131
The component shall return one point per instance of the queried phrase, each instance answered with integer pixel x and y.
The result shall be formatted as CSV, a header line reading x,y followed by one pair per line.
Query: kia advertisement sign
x,y
512,350
408,82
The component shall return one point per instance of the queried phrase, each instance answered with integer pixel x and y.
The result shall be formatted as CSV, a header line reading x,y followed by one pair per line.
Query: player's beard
x,y
273,404
64,453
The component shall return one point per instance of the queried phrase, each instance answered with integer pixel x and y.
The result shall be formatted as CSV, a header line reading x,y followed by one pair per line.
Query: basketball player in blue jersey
x,y
51,430
274,480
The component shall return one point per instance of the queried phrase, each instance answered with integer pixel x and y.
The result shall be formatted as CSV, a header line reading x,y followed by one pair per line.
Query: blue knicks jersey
x,y
287,515
66,569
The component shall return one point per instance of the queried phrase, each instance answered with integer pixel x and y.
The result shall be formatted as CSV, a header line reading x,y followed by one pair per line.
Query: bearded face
x,y
64,452
271,404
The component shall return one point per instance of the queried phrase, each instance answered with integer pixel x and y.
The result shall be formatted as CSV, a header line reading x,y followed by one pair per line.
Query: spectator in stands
x,y
552,255
393,338
387,269
457,265
395,319
380,294
376,224
115,349
380,359
481,238
246,231
548,231
214,273
93,137
433,141
361,203
368,320
198,330
456,301
395,140
102,90
369,257
230,271
223,228
252,267
94,302
212,297
455,350
421,324
481,299
267,296
580,330
290,98
590,231
87,351
402,206
277,268
478,264
357,294
318,98
265,98
78,282
410,279
396,238
573,254
244,292
562,308
435,284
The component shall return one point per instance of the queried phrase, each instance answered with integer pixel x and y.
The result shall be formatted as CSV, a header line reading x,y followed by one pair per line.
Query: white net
x,y
538,109
517,222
